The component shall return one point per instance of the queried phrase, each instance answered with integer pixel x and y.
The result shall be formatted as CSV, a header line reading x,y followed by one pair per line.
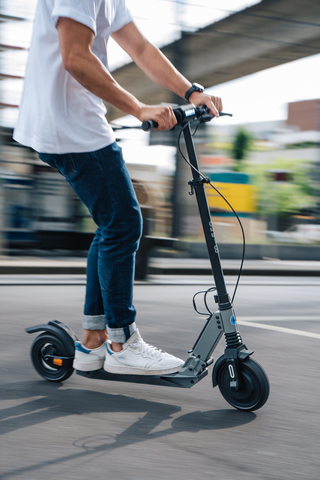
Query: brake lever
x,y
203,114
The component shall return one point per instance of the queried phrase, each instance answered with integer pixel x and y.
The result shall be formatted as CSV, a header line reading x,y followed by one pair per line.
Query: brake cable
x,y
208,181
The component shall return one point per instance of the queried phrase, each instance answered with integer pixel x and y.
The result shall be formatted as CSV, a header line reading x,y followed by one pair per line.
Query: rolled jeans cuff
x,y
121,335
94,322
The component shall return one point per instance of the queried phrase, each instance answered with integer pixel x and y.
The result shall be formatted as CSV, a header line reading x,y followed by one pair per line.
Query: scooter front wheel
x,y
253,390
43,348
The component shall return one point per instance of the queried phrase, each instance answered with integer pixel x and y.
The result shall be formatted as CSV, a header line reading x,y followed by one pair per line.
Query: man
x,y
62,117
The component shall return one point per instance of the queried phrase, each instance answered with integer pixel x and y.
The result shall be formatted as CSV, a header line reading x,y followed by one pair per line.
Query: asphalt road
x,y
95,429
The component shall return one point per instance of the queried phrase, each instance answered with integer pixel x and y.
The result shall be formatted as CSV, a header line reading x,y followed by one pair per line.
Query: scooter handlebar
x,y
184,114
148,125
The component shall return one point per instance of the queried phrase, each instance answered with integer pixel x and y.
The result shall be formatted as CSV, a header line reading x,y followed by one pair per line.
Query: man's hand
x,y
162,114
213,103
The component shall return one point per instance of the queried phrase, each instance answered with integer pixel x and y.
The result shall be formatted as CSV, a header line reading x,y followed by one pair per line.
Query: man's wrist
x,y
194,98
195,87
138,108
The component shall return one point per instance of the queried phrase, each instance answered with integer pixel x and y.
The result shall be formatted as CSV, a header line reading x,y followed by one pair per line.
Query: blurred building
x,y
38,208
294,141
304,115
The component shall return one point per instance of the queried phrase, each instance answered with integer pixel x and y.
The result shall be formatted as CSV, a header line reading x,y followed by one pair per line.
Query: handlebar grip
x,y
149,125
201,113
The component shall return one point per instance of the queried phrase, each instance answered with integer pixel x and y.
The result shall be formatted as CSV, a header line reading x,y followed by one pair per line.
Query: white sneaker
x,y
139,358
88,360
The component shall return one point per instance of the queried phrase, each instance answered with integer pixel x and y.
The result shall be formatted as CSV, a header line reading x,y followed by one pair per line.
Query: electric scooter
x,y
241,380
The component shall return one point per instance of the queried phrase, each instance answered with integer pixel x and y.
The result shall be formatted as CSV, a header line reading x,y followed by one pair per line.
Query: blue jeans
x,y
102,182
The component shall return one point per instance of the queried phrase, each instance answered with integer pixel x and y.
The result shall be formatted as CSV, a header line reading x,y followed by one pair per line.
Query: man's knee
x,y
132,228
123,232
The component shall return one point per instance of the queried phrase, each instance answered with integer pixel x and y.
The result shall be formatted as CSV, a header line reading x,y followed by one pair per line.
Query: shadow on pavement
x,y
54,403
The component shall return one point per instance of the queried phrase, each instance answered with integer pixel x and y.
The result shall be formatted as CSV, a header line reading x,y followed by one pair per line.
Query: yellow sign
x,y
242,197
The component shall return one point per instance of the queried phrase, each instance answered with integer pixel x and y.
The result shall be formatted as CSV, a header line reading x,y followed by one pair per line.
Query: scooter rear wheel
x,y
253,388
48,344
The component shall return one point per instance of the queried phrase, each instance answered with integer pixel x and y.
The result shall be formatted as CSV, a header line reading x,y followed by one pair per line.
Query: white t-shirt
x,y
57,114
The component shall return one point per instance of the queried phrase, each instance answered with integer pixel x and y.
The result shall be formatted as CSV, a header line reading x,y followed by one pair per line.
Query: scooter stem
x,y
213,251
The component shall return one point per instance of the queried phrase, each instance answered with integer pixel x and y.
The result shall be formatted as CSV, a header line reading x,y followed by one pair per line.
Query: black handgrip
x,y
149,125
186,113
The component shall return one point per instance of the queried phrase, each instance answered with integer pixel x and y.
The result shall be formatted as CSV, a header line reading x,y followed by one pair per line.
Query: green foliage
x,y
241,145
283,198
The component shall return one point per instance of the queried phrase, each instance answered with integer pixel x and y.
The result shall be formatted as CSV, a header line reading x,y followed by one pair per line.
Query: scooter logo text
x,y
212,235
211,229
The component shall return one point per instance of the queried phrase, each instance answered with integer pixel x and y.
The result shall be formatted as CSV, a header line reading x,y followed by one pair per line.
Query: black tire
x,y
47,343
254,386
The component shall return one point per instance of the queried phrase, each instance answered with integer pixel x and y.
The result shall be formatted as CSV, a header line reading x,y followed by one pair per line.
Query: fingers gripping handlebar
x,y
184,114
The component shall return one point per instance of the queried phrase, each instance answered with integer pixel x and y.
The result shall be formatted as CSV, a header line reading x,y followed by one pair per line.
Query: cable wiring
x,y
206,292
207,180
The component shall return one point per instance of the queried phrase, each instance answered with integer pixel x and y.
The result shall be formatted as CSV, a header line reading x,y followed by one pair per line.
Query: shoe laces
x,y
146,349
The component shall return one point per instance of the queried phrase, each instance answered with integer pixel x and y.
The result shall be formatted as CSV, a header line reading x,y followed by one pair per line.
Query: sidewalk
x,y
161,266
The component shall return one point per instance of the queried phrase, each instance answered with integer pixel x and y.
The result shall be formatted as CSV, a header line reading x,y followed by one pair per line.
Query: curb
x,y
261,269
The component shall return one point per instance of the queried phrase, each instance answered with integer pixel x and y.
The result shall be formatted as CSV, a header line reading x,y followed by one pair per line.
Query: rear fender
x,y
60,330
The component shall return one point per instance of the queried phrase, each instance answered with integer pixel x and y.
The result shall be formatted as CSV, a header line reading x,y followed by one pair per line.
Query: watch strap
x,y
195,87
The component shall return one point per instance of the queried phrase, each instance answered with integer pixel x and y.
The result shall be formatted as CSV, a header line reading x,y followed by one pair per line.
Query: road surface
x,y
95,429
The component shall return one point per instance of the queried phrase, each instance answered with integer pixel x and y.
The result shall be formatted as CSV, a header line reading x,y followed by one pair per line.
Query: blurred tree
x,y
240,148
287,196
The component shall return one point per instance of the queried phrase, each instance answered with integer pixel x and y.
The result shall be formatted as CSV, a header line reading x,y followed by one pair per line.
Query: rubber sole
x,y
124,370
88,367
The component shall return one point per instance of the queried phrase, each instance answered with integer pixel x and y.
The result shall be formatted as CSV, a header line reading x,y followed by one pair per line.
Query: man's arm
x,y
75,40
158,68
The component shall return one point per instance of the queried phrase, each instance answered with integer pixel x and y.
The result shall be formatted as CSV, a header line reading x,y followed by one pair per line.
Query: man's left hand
x,y
214,104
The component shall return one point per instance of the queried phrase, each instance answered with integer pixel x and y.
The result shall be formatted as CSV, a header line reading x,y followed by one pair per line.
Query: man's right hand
x,y
162,114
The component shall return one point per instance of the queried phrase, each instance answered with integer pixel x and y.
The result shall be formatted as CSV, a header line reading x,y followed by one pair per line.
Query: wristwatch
x,y
194,88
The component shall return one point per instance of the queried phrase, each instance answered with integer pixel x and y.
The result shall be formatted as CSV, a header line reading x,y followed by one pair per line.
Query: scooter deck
x,y
170,380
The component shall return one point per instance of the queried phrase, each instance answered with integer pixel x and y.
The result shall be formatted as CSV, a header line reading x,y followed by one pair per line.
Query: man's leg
x,y
111,260
103,184
96,334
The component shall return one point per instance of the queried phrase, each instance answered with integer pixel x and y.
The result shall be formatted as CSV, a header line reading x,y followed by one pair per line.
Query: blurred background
x,y
263,59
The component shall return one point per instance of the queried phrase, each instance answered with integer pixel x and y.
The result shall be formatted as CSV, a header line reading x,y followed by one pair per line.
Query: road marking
x,y
282,318
292,331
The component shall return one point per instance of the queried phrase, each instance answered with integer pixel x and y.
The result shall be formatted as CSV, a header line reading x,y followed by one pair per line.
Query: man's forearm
x,y
150,59
76,40
160,70
92,75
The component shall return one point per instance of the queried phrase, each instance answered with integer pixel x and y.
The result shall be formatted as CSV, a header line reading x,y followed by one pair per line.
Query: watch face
x,y
198,87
